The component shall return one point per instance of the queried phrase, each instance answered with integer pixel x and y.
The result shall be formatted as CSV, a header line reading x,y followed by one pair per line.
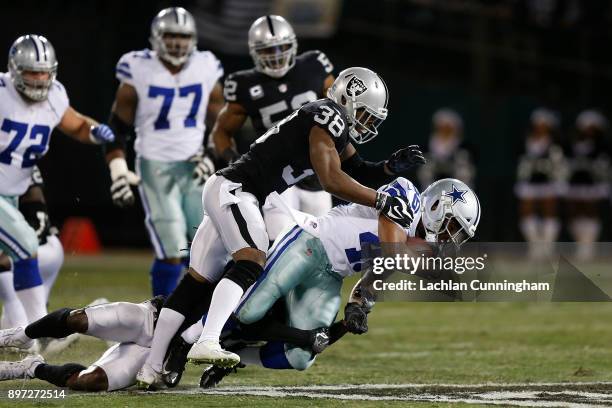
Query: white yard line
x,y
536,394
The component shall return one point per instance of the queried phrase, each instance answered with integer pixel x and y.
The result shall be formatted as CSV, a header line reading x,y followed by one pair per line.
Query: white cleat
x,y
149,379
210,352
24,369
58,345
16,337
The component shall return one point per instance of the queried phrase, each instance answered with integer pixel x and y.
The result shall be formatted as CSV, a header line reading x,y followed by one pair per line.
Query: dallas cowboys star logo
x,y
456,195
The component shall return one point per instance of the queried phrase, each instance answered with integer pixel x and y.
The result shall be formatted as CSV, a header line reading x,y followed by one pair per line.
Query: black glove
x,y
406,158
319,339
356,318
395,208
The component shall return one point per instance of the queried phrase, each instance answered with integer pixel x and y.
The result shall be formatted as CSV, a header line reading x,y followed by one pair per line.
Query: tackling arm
x,y
375,174
326,164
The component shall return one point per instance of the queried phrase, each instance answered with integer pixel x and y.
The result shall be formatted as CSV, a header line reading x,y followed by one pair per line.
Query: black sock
x,y
57,375
191,298
271,330
52,325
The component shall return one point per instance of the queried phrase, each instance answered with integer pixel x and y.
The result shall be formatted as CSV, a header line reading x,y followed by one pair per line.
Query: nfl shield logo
x,y
282,88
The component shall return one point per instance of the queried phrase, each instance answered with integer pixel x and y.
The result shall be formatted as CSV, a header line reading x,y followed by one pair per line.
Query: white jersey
x,y
25,132
171,109
344,228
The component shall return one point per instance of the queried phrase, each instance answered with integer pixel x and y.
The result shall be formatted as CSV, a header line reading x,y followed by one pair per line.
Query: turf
x,y
434,343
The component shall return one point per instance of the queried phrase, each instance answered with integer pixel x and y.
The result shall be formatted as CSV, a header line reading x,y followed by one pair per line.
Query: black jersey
x,y
281,157
268,100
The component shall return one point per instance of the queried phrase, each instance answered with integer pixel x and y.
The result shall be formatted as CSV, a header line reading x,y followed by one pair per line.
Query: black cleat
x,y
213,375
175,363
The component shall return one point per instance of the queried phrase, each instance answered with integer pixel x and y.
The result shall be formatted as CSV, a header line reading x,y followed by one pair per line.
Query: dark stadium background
x,y
482,58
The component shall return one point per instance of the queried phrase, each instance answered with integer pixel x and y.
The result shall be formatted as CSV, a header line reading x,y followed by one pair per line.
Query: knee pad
x,y
244,273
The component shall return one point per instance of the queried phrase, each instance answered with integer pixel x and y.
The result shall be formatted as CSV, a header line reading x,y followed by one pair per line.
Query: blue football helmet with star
x,y
450,211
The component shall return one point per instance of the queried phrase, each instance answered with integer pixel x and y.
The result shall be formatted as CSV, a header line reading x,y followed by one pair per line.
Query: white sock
x,y
168,323
14,313
225,299
192,333
50,260
550,229
250,356
529,228
34,301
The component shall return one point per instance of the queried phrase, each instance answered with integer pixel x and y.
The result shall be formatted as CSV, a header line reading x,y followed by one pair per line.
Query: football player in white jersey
x,y
166,95
307,265
32,104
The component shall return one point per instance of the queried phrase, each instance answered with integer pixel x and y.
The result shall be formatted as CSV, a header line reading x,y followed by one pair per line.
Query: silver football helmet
x,y
32,53
450,211
364,95
272,45
180,23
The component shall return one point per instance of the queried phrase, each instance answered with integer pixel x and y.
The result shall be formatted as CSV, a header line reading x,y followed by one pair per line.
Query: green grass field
x,y
425,343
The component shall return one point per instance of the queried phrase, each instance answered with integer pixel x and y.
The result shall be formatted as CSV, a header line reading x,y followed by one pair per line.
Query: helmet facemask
x,y
174,48
365,124
275,60
444,226
34,89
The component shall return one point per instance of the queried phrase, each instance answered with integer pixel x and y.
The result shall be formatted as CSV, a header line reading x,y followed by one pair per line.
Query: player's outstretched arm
x,y
121,121
374,174
84,129
230,119
327,165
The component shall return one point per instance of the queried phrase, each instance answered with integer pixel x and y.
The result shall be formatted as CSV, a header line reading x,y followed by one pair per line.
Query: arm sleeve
x,y
370,174
122,133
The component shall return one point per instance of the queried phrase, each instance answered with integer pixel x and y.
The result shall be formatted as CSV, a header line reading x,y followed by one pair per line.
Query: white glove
x,y
204,168
122,178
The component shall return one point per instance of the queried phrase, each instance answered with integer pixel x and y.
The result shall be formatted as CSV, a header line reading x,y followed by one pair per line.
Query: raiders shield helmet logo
x,y
355,87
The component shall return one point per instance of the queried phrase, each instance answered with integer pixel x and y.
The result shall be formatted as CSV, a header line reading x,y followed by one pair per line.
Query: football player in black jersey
x,y
312,140
280,83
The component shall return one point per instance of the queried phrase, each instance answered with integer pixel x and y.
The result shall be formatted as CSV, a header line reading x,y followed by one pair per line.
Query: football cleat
x,y
16,337
148,379
213,375
23,369
210,352
175,363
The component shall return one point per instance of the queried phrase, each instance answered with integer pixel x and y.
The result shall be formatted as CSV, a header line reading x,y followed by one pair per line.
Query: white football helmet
x,y
450,211
173,20
364,95
272,45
